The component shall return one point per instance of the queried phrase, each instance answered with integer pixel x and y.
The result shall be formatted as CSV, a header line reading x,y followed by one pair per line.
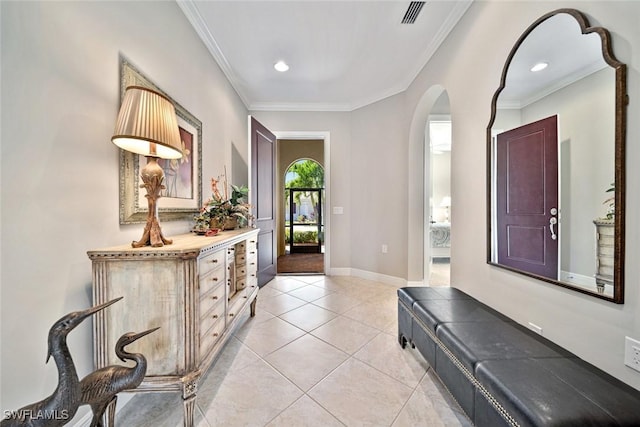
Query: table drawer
x,y
211,298
215,314
252,263
236,303
241,259
241,271
211,262
210,337
241,247
211,280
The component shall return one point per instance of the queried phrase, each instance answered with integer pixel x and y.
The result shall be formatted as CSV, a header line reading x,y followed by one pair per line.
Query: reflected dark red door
x,y
527,197
263,154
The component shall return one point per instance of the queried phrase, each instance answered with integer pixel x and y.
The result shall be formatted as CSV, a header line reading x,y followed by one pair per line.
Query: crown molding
x,y
192,13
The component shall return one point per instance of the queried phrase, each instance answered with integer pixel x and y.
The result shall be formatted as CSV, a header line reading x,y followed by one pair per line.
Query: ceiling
x,y
342,54
570,55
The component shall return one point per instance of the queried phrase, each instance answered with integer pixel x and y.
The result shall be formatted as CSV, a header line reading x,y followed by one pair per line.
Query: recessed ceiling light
x,y
539,66
281,66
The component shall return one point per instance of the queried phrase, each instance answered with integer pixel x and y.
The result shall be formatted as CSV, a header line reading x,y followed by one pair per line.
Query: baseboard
x,y
338,272
579,279
369,275
382,278
416,283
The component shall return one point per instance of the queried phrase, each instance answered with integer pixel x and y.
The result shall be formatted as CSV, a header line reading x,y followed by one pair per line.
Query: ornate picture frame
x,y
182,198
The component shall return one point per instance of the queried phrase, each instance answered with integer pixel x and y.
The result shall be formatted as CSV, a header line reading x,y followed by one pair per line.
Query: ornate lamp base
x,y
152,177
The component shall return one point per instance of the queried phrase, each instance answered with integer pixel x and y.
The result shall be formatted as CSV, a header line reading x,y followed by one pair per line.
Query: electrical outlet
x,y
632,353
385,249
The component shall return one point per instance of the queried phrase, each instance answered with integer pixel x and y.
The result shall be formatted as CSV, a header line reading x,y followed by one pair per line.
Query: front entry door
x,y
527,198
263,155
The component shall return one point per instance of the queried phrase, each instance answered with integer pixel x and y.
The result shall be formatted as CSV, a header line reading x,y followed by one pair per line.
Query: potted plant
x,y
611,202
223,212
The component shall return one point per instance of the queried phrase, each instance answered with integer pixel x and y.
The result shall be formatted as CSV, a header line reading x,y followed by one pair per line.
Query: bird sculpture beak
x,y
142,334
83,314
88,312
131,337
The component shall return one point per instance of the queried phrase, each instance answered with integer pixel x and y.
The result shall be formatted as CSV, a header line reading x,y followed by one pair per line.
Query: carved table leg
x,y
189,408
189,389
252,306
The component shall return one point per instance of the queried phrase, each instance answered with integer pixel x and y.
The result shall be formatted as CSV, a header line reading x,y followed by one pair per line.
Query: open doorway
x,y
438,189
301,234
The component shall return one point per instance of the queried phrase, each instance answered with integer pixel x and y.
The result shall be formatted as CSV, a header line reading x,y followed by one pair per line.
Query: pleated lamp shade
x,y
147,124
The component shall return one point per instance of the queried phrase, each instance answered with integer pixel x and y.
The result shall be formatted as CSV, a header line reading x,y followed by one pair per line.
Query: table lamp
x,y
147,125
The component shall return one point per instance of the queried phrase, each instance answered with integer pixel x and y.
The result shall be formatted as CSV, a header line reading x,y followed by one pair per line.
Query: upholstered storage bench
x,y
502,374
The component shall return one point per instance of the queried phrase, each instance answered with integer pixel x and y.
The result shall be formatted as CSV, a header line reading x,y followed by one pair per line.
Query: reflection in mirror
x,y
555,158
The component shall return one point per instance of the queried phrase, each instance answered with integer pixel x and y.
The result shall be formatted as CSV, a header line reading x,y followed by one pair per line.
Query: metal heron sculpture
x,y
59,408
100,388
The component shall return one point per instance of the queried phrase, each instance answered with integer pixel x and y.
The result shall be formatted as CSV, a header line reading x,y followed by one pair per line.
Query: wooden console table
x,y
195,290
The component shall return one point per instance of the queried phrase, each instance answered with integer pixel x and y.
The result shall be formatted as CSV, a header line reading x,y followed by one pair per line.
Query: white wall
x,y
469,65
60,97
379,196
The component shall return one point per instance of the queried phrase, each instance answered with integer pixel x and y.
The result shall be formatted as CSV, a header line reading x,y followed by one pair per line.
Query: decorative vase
x,y
229,223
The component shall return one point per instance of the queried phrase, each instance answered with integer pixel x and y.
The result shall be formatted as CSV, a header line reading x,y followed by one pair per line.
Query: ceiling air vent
x,y
412,12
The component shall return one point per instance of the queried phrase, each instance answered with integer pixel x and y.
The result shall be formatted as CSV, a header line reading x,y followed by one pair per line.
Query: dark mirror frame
x,y
621,102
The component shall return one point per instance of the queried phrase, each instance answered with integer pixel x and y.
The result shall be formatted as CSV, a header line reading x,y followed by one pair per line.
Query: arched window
x,y
304,200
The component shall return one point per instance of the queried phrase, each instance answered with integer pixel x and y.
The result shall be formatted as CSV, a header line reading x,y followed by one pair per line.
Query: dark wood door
x,y
263,157
527,197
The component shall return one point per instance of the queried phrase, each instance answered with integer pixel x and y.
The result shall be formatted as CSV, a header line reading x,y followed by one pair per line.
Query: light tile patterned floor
x,y
321,351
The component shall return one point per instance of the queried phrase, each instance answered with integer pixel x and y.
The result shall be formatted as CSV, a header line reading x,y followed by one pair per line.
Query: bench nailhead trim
x,y
492,400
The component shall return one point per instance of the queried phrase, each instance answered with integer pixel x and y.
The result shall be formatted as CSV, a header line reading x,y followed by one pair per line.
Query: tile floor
x,y
321,351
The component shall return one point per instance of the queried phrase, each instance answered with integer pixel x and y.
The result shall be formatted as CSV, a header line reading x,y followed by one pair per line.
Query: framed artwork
x,y
182,197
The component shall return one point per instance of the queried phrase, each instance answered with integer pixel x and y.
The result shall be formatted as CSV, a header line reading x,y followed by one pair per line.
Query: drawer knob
x,y
214,279
215,316
215,297
215,261
231,314
215,334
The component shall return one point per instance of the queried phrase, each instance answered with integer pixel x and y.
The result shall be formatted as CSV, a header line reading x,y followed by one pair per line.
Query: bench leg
x,y
402,340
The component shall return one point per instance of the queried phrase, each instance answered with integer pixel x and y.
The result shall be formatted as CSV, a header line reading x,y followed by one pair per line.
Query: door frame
x,y
326,137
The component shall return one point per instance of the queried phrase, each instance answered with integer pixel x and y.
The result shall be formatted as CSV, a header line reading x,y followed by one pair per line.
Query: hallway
x,y
321,351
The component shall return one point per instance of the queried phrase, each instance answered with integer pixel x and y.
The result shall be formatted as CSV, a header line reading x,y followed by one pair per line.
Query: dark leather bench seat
x,y
503,374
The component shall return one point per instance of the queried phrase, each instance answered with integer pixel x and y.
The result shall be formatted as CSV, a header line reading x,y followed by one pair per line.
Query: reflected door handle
x,y
553,221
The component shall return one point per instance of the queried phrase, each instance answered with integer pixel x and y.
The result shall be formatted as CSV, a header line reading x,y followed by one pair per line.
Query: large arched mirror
x,y
555,158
